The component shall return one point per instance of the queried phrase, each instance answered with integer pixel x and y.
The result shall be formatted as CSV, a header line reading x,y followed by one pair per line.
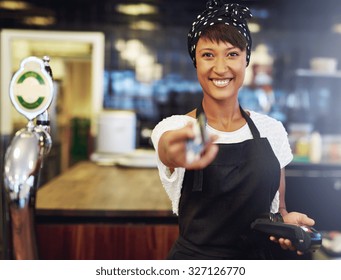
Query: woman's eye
x,y
233,54
207,55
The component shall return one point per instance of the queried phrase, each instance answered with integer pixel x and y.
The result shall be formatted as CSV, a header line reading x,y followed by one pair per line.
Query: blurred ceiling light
x,y
14,5
120,45
39,20
337,28
144,25
136,9
146,68
132,50
254,27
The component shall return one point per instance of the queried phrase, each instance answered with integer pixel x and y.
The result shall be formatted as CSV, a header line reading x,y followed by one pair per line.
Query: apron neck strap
x,y
252,126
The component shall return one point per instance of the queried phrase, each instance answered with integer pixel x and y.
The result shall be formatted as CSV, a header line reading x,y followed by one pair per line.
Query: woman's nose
x,y
220,65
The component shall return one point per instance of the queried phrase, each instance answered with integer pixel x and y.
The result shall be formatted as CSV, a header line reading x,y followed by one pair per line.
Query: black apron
x,y
219,202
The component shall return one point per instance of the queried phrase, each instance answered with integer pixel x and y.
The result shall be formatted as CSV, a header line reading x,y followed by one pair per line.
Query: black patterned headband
x,y
217,12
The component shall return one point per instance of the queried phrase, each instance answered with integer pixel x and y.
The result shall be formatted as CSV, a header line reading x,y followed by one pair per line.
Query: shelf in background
x,y
312,73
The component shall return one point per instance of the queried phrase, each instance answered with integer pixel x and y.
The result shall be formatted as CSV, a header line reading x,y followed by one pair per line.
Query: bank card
x,y
195,146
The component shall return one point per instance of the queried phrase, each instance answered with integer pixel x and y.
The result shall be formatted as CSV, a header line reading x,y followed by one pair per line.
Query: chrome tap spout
x,y
25,154
23,161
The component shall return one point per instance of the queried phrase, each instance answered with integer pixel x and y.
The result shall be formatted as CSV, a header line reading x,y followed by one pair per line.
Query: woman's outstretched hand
x,y
172,149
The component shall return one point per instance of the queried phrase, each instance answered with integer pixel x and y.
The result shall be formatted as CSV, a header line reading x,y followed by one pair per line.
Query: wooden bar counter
x,y
104,212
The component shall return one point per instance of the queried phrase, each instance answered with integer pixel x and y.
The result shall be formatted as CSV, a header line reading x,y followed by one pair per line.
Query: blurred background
x,y
293,75
121,55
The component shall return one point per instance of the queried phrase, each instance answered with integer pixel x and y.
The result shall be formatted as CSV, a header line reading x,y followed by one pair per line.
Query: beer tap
x,y
31,93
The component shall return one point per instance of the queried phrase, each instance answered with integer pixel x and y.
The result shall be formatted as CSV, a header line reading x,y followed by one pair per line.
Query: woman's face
x,y
220,68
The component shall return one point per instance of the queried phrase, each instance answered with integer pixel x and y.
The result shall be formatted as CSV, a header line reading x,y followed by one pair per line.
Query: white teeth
x,y
221,83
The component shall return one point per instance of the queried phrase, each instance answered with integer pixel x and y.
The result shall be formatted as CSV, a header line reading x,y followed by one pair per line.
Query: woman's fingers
x,y
206,158
173,150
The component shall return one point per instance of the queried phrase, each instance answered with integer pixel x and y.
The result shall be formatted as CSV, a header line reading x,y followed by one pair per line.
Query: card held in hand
x,y
195,146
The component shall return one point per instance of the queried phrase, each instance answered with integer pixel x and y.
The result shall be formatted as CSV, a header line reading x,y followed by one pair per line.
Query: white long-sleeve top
x,y
268,127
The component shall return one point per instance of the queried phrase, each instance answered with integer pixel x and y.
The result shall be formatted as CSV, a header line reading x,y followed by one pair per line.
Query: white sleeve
x,y
277,136
171,182
284,153
275,203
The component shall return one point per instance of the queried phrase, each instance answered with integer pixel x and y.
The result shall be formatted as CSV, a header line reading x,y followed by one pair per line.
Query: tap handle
x,y
43,119
31,87
48,69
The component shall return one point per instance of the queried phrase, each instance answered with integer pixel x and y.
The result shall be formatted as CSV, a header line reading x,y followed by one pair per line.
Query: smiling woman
x,y
213,62
240,174
216,55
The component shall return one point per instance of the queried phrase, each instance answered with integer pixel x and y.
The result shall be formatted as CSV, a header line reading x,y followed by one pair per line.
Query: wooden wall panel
x,y
105,241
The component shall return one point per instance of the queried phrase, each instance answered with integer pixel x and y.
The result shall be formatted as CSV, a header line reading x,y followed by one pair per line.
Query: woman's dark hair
x,y
224,33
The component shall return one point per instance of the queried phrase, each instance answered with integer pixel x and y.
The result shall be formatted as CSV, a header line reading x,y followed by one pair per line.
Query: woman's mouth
x,y
221,83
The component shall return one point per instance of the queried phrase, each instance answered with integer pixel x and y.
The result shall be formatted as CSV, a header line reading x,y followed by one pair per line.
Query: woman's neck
x,y
223,116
